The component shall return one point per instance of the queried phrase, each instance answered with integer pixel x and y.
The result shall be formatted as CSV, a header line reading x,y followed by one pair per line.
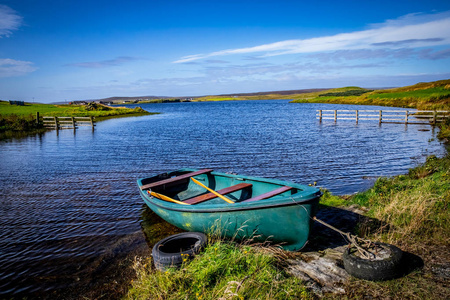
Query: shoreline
x,y
20,121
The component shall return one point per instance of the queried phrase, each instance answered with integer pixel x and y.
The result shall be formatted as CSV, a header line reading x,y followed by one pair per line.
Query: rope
x,y
354,240
359,243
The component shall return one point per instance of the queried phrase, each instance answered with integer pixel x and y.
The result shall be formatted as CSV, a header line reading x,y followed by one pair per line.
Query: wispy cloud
x,y
411,31
409,42
11,68
365,54
434,55
9,20
216,61
263,69
105,63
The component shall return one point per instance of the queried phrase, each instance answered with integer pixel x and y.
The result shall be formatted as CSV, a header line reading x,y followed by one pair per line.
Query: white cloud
x,y
11,68
411,31
9,20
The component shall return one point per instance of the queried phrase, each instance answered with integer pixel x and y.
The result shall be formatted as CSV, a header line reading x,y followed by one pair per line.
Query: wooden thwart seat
x,y
174,180
270,194
209,196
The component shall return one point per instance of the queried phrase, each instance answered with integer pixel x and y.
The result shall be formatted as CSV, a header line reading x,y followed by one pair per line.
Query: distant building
x,y
15,102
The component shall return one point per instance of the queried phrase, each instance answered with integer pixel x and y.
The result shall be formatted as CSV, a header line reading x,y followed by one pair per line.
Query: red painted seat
x,y
209,196
269,194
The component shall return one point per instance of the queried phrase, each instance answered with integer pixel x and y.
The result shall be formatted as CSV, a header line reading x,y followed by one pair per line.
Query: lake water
x,y
71,210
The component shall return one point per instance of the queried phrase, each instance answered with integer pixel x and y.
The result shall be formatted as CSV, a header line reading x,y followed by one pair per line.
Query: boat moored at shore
x,y
240,207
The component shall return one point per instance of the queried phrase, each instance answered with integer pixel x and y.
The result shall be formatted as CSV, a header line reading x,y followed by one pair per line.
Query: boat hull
x,y
284,220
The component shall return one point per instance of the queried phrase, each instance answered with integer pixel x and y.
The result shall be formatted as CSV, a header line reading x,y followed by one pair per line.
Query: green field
x,y
15,118
435,93
66,110
425,96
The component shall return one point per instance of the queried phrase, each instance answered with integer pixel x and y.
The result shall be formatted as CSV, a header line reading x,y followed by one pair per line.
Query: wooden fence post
x,y
381,117
356,116
37,118
335,116
434,117
320,116
406,117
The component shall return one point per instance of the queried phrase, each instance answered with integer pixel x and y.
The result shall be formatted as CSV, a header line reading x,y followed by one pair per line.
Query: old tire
x,y
385,268
175,249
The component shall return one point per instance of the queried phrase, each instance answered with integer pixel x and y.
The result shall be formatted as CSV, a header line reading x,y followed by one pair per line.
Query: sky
x,y
62,50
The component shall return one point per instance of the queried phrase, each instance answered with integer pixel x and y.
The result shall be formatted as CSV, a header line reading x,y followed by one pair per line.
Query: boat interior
x,y
181,187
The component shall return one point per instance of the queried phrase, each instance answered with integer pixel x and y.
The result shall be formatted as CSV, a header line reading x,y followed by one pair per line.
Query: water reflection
x,y
155,228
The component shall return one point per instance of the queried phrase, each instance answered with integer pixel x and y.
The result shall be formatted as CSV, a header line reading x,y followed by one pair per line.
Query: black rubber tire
x,y
170,251
374,270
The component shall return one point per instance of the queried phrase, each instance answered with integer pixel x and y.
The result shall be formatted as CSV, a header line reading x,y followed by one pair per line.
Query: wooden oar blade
x,y
165,198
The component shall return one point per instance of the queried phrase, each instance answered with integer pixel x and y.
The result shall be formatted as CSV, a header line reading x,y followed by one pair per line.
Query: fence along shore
x,y
65,122
385,116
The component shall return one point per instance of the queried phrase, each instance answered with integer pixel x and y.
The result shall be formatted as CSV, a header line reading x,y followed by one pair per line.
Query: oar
x,y
212,191
165,198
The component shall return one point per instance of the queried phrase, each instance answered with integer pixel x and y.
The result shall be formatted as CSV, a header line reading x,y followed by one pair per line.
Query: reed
x,y
19,123
414,205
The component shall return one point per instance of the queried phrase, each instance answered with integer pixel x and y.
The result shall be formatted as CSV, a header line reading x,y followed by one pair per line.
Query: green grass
x,y
15,123
66,110
216,98
19,121
435,93
426,96
225,270
160,101
415,205
27,109
351,91
328,199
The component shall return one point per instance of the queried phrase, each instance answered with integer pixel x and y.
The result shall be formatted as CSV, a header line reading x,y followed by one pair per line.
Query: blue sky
x,y
60,50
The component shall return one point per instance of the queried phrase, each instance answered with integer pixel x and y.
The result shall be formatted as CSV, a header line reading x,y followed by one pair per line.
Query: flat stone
x,y
322,272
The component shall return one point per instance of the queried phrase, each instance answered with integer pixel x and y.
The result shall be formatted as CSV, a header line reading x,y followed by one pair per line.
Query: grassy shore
x,y
21,120
225,270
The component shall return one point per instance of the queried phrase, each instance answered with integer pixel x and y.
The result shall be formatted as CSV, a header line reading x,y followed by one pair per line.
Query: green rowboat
x,y
239,207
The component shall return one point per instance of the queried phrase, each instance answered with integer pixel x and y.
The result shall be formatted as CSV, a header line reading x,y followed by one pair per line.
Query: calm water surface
x,y
70,205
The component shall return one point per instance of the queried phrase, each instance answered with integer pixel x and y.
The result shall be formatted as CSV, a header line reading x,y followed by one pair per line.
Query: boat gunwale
x,y
219,208
306,195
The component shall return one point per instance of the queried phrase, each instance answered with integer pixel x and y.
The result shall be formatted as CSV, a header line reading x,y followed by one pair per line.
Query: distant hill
x,y
424,95
289,92
133,98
